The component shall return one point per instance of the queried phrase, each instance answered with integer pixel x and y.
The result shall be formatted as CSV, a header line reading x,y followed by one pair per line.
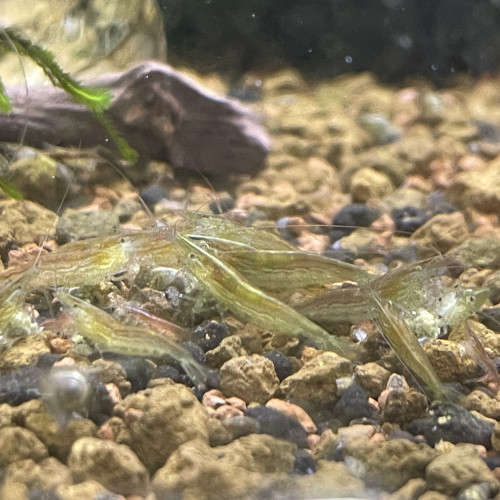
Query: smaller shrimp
x,y
109,335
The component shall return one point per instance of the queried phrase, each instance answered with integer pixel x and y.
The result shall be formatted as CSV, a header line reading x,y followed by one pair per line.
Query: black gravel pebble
x,y
39,494
342,254
353,404
222,205
139,372
304,463
209,334
450,422
437,204
348,218
490,317
20,386
100,405
282,365
492,462
408,219
488,131
47,359
152,195
278,424
196,351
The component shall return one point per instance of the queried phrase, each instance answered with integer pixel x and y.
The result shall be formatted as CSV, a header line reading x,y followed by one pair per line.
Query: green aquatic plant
x,y
97,99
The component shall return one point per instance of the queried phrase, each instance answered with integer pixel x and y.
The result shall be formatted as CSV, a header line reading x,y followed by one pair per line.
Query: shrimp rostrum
x,y
251,273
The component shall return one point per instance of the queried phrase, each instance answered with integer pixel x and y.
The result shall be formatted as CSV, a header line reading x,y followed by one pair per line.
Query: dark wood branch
x,y
160,113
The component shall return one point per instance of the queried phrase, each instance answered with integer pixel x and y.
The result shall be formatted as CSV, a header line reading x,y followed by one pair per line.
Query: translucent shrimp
x,y
109,335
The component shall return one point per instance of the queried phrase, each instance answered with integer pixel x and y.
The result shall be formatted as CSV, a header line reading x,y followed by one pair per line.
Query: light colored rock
x,y
480,401
5,415
315,382
111,372
113,465
95,37
82,491
251,378
477,189
495,437
167,416
433,495
230,347
24,222
40,179
372,378
243,468
59,441
391,464
368,183
450,361
46,474
331,480
410,491
442,232
461,467
17,444
24,352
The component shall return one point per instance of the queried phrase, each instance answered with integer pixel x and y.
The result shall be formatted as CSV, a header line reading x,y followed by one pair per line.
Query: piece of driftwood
x,y
162,114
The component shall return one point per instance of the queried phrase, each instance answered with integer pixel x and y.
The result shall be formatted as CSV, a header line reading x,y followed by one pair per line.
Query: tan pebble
x,y
60,346
442,232
309,353
237,403
64,362
114,393
378,438
444,447
374,403
132,415
226,411
433,495
106,431
356,431
312,441
210,411
213,398
496,473
294,411
495,437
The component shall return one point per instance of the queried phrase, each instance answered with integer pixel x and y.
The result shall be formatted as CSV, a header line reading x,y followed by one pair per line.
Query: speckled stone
x,y
480,191
372,378
442,232
368,183
243,468
391,464
251,378
450,361
229,347
331,480
17,444
462,466
410,491
113,465
84,491
315,382
161,419
46,474
59,441
480,401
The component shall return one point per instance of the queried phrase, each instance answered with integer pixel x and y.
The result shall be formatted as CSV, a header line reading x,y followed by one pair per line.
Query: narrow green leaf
x,y
5,105
10,189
